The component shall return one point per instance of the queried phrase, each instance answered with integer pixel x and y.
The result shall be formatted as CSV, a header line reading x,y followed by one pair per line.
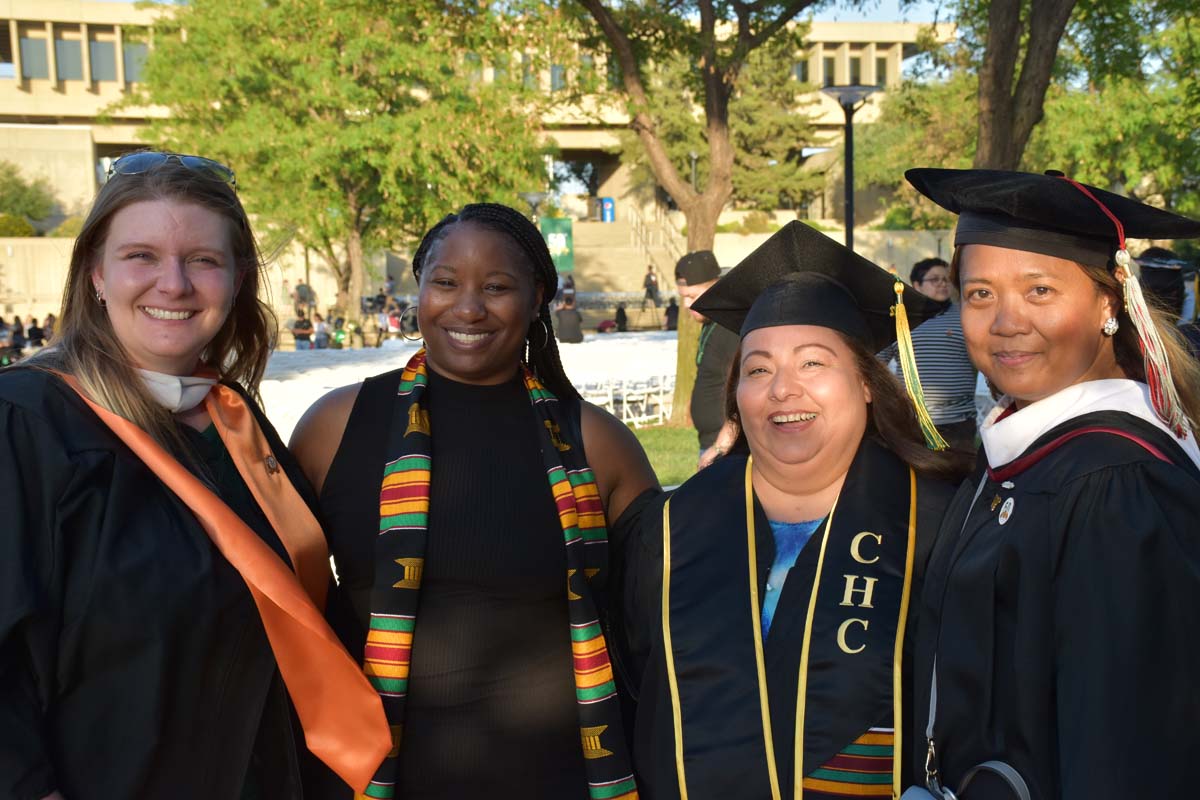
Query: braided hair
x,y
541,346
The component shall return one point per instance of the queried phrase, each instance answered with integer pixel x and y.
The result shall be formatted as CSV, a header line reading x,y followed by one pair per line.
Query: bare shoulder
x,y
318,434
617,459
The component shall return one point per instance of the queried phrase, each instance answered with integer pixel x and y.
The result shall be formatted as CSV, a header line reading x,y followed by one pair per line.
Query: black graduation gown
x,y
1065,627
711,623
133,662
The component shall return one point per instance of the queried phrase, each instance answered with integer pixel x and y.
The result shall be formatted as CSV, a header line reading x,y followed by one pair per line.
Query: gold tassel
x,y
912,380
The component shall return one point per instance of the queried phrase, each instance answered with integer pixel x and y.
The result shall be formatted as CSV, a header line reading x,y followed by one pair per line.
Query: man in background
x,y
695,274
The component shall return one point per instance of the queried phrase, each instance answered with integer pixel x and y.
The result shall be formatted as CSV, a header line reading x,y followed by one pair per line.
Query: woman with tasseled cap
x,y
1062,598
767,599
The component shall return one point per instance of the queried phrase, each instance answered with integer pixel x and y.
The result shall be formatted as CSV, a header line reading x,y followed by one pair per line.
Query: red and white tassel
x,y
1163,395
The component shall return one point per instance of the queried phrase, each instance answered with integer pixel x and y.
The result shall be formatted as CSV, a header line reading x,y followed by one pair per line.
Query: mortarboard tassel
x,y
1163,394
912,380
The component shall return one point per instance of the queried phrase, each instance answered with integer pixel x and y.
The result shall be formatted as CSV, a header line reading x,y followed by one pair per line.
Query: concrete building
x,y
64,62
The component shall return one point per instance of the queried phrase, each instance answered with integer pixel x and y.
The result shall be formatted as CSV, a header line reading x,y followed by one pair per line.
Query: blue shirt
x,y
790,538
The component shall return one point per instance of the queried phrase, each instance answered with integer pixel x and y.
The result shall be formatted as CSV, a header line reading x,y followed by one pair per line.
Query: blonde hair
x,y
1185,369
85,344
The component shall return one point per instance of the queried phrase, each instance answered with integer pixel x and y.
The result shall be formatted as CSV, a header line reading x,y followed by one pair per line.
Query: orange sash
x,y
340,713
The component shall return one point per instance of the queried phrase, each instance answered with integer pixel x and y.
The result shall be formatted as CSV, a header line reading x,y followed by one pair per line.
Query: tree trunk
x,y
685,367
357,274
1007,115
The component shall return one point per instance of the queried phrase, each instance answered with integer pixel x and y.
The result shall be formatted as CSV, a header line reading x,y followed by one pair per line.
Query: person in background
x,y
948,377
931,277
48,327
766,600
389,286
320,332
671,316
34,333
1163,280
621,318
568,322
568,288
1057,619
302,330
162,571
695,274
303,297
17,340
650,284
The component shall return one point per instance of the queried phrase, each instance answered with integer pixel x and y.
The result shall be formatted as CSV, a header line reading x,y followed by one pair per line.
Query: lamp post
x,y
694,156
850,98
534,199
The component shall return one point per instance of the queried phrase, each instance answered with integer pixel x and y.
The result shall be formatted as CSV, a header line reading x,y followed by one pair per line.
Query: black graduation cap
x,y
802,277
1045,214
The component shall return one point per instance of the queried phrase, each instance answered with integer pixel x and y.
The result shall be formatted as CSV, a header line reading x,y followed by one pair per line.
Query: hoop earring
x,y
1110,327
545,334
403,334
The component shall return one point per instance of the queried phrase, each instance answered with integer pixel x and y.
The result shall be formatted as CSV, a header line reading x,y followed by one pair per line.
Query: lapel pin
x,y
1006,510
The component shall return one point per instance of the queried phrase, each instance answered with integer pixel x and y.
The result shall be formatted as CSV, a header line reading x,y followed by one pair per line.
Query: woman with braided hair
x,y
457,480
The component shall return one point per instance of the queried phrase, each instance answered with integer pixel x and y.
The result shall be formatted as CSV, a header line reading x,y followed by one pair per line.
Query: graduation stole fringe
x,y
400,554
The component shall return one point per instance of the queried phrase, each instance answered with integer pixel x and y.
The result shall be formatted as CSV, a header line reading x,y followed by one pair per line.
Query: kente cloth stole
x,y
834,655
400,557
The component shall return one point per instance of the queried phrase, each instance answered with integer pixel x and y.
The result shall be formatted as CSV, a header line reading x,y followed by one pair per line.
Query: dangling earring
x,y
100,298
1110,326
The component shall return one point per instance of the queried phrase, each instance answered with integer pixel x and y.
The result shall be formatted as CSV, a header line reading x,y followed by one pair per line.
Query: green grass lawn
x,y
672,452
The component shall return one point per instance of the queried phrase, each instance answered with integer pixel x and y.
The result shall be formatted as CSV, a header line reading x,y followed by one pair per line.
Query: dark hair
x,y
924,265
891,420
1162,286
541,346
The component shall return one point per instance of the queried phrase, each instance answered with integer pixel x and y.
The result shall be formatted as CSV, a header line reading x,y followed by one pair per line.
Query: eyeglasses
x,y
146,160
936,281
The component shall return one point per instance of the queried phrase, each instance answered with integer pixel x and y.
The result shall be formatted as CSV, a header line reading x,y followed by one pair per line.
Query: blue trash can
x,y
608,210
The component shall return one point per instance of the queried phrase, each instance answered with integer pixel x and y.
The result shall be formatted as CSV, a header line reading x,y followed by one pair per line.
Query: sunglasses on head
x,y
139,163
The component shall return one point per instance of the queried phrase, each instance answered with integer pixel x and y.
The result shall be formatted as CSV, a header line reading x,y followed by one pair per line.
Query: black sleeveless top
x,y
491,707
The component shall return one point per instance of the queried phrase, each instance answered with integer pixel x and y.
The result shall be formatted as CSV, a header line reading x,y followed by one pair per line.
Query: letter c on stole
x,y
841,635
856,544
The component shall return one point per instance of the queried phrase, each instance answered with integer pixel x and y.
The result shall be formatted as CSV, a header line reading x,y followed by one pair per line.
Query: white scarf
x,y
1005,440
177,393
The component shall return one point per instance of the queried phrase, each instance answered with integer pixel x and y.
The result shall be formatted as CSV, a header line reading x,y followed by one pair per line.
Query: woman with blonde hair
x,y
1056,634
160,573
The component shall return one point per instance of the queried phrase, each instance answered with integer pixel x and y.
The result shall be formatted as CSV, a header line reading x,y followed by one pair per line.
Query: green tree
x,y
352,123
714,40
31,199
712,43
1118,114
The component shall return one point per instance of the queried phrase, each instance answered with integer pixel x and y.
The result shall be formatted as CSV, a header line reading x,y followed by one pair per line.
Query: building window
x,y
528,77
135,58
881,72
500,67
800,71
35,62
558,77
828,76
613,68
474,67
68,53
856,70
103,57
7,67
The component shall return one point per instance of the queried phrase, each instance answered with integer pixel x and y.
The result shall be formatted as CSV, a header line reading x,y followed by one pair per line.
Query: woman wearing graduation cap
x,y
767,599
1060,605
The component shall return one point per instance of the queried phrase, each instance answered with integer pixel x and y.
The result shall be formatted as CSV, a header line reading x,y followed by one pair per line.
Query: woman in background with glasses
x,y
142,499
